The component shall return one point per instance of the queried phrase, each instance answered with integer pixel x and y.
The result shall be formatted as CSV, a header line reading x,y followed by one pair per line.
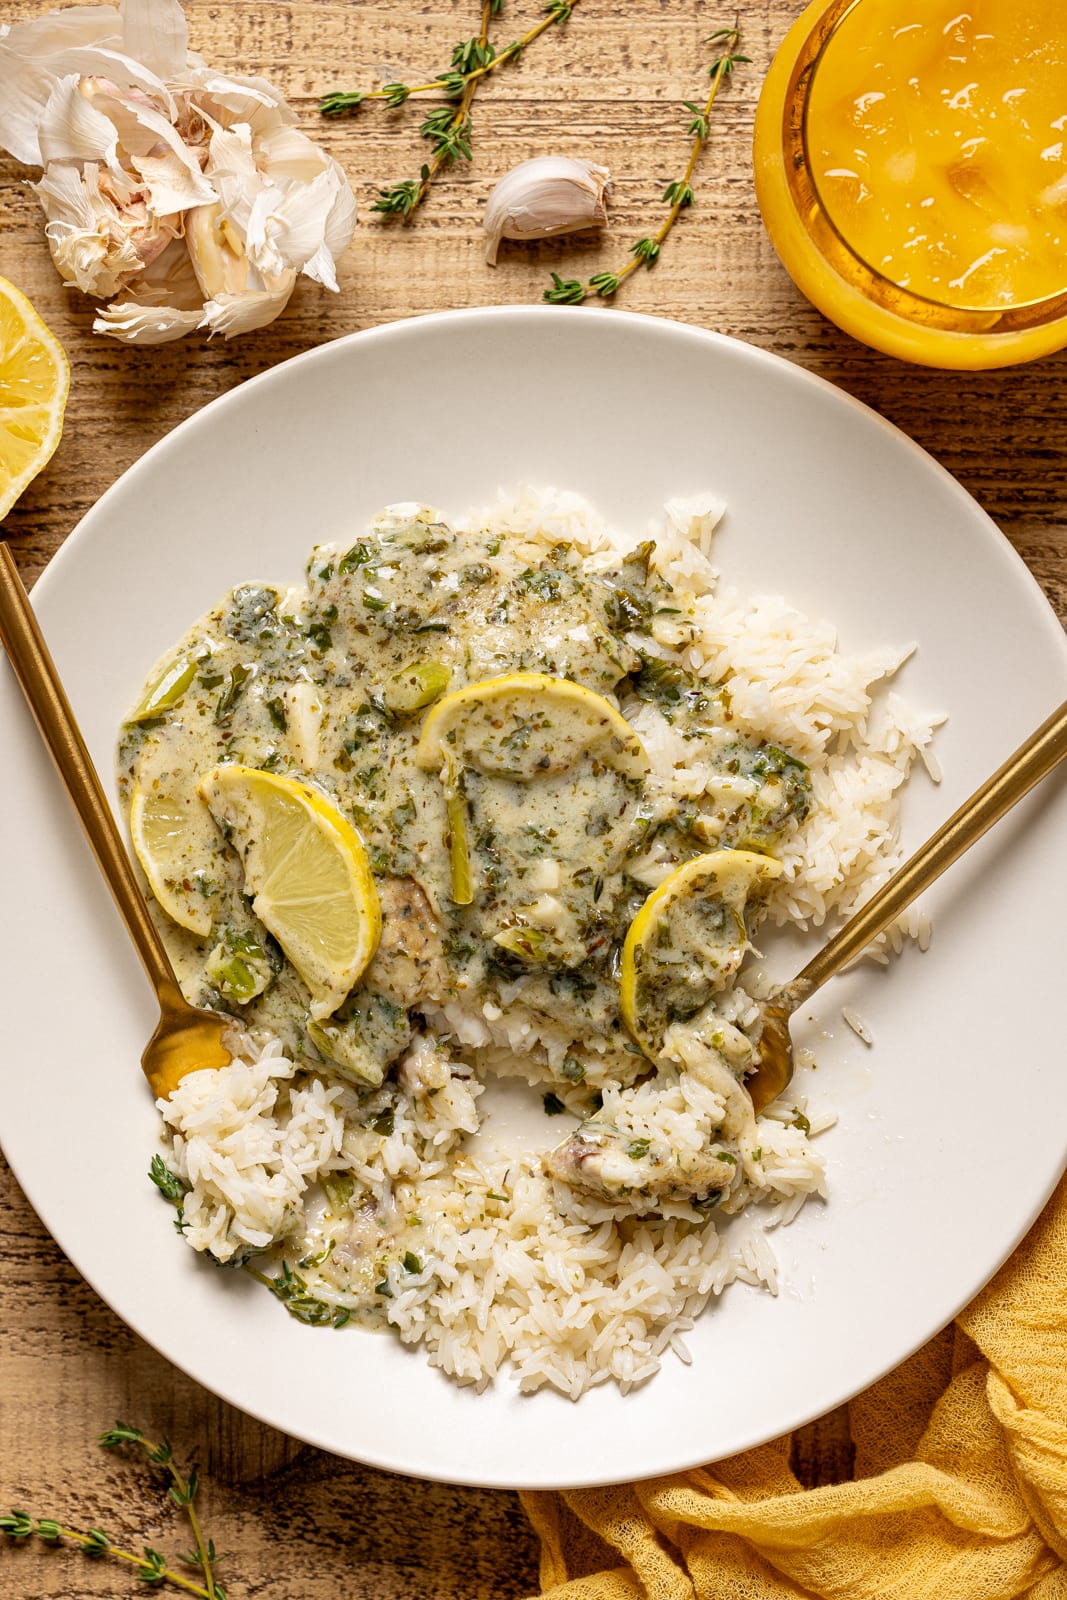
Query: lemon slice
x,y
308,873
173,836
527,725
687,940
34,380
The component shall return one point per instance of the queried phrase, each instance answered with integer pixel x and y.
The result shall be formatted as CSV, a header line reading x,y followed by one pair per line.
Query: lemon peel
x,y
308,874
723,878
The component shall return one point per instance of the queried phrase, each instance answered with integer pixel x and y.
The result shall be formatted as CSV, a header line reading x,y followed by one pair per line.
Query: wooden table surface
x,y
293,1521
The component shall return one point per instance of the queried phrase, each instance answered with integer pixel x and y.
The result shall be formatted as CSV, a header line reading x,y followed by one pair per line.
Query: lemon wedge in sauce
x,y
172,837
308,874
527,724
688,938
522,726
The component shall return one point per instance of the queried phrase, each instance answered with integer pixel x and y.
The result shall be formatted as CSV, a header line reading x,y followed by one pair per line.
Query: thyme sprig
x,y
678,195
447,127
151,1567
292,1290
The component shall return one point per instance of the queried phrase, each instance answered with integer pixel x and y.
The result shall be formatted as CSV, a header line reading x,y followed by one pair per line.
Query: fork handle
x,y
36,672
1034,760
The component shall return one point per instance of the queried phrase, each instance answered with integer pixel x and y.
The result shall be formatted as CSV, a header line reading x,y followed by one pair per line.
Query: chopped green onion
x,y
167,689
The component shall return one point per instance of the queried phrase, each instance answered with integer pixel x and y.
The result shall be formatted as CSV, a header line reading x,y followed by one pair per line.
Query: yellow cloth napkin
x,y
959,1493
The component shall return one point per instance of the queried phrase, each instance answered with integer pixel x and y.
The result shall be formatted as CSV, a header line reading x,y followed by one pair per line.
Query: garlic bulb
x,y
184,197
545,196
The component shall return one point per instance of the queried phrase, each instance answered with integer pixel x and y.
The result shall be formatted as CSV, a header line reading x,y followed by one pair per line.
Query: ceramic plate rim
x,y
668,337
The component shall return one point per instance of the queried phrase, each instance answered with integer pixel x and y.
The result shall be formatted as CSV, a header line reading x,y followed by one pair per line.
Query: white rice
x,y
512,1267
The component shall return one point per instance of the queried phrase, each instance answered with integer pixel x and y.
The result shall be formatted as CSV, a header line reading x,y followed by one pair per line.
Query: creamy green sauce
x,y
331,682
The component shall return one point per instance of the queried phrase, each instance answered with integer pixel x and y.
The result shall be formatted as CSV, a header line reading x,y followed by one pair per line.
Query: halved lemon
x,y
689,934
34,382
308,874
173,837
527,724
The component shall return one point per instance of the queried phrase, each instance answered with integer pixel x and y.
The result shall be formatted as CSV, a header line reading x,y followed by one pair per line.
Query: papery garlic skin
x,y
186,194
544,196
94,236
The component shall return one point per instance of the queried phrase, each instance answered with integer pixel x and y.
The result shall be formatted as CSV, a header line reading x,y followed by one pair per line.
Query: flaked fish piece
x,y
612,1164
409,963
622,1165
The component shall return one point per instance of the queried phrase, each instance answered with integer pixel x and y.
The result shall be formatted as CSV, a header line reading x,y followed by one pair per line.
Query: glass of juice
x,y
911,169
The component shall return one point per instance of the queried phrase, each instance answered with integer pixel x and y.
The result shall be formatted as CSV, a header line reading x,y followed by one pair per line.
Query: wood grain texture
x,y
293,1521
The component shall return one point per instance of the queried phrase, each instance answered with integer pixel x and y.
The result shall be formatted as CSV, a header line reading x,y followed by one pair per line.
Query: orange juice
x,y
911,166
936,139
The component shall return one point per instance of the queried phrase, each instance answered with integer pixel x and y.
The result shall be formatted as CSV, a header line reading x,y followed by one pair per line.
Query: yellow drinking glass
x,y
911,169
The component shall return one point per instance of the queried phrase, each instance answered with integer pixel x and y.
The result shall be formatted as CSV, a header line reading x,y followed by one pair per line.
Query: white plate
x,y
953,1126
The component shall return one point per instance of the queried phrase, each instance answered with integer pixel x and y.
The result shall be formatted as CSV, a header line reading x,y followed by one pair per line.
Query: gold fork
x,y
1035,758
187,1038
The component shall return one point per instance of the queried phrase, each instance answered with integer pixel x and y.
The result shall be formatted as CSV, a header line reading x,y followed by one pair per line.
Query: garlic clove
x,y
216,251
92,120
152,146
237,295
339,224
183,196
290,154
545,196
91,252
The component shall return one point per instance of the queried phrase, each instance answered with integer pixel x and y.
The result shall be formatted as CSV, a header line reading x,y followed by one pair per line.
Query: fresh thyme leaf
x,y
337,105
186,1493
153,1569
447,127
292,1290
567,292
167,1182
121,1433
150,1566
646,250
678,195
400,200
605,283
